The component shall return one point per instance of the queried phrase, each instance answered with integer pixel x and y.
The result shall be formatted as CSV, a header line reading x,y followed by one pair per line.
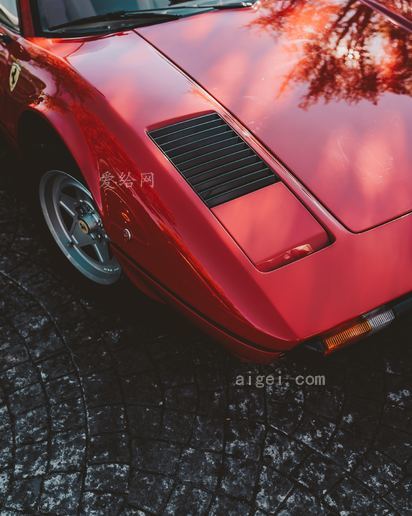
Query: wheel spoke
x,y
81,196
69,204
102,251
79,238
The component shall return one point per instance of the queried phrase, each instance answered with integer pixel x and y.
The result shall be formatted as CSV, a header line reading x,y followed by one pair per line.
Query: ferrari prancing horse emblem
x,y
14,76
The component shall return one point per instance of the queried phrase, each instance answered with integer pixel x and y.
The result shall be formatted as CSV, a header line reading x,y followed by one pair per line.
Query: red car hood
x,y
325,85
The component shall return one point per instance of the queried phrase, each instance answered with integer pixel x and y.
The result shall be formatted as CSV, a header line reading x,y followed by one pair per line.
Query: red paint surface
x,y
272,226
310,99
399,7
283,81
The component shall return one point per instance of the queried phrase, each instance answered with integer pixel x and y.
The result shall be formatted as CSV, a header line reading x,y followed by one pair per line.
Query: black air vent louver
x,y
217,163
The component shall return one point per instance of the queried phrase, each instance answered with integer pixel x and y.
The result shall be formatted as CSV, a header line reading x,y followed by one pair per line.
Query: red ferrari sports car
x,y
248,162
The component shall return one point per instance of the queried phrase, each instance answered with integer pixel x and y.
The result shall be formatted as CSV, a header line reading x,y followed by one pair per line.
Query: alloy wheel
x,y
76,226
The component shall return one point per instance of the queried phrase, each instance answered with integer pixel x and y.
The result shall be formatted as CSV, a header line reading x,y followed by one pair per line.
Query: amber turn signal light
x,y
363,327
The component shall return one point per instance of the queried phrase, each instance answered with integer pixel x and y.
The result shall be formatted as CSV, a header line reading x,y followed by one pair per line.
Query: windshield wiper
x,y
230,5
116,16
183,7
158,13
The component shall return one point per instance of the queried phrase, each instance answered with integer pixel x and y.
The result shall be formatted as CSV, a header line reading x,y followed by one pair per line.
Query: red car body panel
x,y
353,155
402,11
343,157
274,244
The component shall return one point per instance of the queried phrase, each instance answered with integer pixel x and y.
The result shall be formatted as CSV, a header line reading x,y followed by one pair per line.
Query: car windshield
x,y
57,13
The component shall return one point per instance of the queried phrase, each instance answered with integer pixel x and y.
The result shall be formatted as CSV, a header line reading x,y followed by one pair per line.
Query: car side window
x,y
9,13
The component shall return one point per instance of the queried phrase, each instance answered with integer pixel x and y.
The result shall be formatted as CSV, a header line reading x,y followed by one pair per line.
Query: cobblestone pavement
x,y
111,407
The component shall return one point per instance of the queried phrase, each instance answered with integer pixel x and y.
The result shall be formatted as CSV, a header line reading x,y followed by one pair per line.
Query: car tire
x,y
74,222
88,261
